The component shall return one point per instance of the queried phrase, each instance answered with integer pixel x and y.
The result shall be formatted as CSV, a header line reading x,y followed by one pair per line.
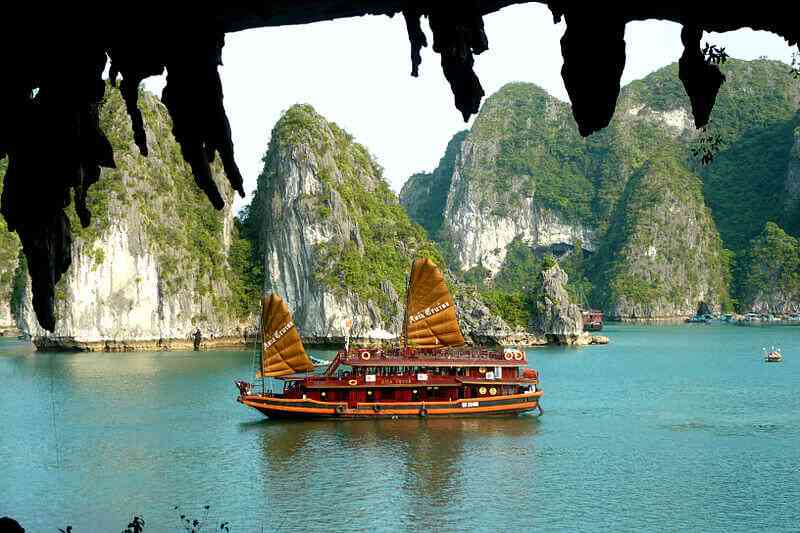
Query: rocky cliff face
x,y
791,207
424,195
9,257
770,269
152,266
506,184
483,327
336,243
663,254
556,317
635,193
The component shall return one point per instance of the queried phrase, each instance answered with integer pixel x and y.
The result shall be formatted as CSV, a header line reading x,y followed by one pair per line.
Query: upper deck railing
x,y
421,379
405,355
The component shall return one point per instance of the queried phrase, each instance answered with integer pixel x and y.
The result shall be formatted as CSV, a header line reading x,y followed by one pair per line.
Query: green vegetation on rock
x,y
424,195
156,201
524,143
667,229
9,250
770,270
370,237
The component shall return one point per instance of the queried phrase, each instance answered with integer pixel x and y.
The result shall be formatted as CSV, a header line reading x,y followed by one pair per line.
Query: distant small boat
x,y
699,319
774,355
592,320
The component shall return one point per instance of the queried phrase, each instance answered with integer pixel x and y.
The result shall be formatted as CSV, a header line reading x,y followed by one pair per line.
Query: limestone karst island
x,y
532,224
261,279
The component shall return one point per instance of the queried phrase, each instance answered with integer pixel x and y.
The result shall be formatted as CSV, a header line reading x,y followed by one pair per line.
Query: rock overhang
x,y
53,86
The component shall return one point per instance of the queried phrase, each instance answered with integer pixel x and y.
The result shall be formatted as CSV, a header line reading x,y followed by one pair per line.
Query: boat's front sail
x,y
282,351
430,318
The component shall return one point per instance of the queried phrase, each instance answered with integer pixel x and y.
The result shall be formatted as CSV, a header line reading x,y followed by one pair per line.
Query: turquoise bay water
x,y
673,428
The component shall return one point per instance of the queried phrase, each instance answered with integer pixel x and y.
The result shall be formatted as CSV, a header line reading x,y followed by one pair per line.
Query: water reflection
x,y
399,470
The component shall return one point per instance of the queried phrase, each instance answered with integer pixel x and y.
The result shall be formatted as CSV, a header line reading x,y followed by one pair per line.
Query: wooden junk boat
x,y
431,373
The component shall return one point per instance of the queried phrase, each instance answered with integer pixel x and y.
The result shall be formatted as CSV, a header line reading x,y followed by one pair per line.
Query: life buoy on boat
x,y
482,370
508,356
352,382
482,390
492,391
339,409
365,355
518,356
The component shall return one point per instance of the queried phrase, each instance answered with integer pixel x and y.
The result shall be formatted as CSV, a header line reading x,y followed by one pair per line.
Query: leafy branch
x,y
714,55
706,146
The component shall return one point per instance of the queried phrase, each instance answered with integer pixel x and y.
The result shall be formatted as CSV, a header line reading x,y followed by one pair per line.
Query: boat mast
x,y
260,341
405,311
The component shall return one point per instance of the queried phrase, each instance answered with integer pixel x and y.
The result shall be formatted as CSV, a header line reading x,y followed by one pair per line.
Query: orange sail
x,y
430,320
282,351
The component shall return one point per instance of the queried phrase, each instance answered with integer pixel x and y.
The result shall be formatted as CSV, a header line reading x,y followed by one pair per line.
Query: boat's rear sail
x,y
282,351
431,319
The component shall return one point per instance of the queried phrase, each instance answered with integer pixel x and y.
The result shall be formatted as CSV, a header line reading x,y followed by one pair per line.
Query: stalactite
x,y
193,97
416,37
457,35
701,79
135,63
57,154
55,147
594,58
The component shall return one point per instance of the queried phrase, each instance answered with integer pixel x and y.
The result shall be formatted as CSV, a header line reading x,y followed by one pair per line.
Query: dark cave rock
x,y
193,97
135,63
9,525
594,58
701,79
457,35
55,146
56,155
416,37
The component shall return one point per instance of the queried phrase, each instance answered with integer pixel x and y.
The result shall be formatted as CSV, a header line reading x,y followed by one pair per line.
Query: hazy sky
x,y
355,72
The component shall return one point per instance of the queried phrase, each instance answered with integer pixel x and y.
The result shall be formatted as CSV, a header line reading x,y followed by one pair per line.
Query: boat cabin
x,y
415,375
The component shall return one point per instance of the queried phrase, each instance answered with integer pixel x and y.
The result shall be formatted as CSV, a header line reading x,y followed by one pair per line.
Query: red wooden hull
x,y
278,407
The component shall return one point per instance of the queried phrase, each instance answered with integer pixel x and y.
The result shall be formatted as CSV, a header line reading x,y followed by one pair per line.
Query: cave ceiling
x,y
54,58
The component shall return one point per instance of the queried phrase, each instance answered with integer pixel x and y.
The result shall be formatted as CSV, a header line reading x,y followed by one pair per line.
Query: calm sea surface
x,y
671,428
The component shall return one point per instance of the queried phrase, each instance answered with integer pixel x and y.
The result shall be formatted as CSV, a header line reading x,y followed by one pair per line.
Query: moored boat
x,y
699,319
773,355
430,373
592,320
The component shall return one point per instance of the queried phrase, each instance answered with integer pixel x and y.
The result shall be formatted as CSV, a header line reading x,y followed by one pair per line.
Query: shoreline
x,y
70,344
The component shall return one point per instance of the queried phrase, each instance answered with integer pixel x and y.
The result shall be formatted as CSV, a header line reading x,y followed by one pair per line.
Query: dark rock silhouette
x,y
52,85
9,525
